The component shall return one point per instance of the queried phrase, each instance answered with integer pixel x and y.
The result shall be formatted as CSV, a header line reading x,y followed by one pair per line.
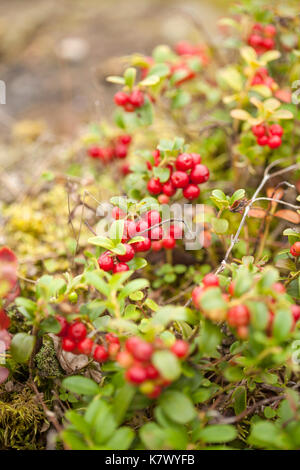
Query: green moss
x,y
21,418
46,361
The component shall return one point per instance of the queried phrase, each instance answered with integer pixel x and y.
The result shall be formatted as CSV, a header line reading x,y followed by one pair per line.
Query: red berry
x,y
156,233
100,354
255,41
125,139
68,344
95,152
120,268
142,227
121,150
154,186
143,351
121,98
180,348
268,43
295,249
85,346
129,107
156,156
153,217
113,349
136,375
279,288
152,372
131,343
124,359
296,312
129,230
179,179
238,316
199,174
125,169
163,199
168,189
111,338
128,255
156,245
137,98
184,162
64,326
242,332
105,261
196,158
155,392
270,30
192,191
263,140
169,243
176,231
231,288
274,141
196,295
142,246
258,130
211,280
257,27
77,331
276,129
117,213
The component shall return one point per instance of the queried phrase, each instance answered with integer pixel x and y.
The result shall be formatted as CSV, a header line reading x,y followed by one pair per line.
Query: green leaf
x,y
177,406
167,364
220,225
282,324
116,231
165,315
94,278
50,325
22,346
152,436
267,436
209,339
133,286
239,194
163,174
218,433
239,398
121,440
129,77
122,400
80,385
101,241
212,299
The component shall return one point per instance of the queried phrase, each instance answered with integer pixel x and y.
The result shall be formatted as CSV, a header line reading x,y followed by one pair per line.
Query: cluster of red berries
x,y
186,174
268,135
295,249
75,340
147,227
117,149
262,77
140,371
130,101
262,37
238,317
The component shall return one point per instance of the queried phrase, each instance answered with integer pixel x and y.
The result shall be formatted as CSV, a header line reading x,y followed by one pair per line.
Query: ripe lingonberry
x,y
268,43
169,243
270,30
117,213
196,295
106,262
296,312
151,372
111,338
276,129
125,359
258,130
184,162
163,199
95,152
156,233
121,98
154,186
238,316
100,354
180,179
136,374
68,344
263,140
137,98
279,288
295,249
155,392
128,255
192,191
274,141
142,246
77,331
196,158
142,351
131,343
113,349
199,174
85,346
63,324
121,150
255,40
168,189
125,139
156,245
120,268
129,230
180,348
211,280
153,217
231,288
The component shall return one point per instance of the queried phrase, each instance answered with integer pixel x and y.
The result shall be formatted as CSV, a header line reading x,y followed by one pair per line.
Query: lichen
x,y
46,361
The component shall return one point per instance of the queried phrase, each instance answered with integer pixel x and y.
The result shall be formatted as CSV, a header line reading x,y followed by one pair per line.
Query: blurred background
x,y
55,54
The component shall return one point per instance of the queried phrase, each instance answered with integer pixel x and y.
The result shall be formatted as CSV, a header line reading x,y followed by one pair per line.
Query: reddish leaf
x,y
288,215
4,320
257,212
7,256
